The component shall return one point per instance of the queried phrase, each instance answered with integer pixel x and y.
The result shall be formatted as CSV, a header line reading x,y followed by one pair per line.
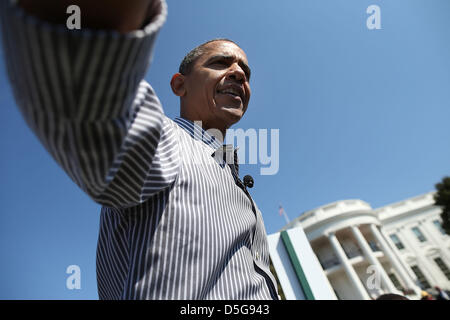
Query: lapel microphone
x,y
248,181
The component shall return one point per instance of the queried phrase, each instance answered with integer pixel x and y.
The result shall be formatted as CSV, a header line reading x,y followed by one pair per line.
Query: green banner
x,y
297,266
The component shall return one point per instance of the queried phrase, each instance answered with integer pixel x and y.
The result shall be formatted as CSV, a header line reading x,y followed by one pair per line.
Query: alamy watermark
x,y
74,20
373,282
374,20
74,280
255,146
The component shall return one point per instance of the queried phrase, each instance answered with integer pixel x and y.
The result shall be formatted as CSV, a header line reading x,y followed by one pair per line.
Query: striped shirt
x,y
176,220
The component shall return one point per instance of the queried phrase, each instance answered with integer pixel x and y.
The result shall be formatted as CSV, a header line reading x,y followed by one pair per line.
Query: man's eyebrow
x,y
241,63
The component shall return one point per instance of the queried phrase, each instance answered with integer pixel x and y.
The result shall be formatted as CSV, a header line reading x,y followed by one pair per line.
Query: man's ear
x,y
178,84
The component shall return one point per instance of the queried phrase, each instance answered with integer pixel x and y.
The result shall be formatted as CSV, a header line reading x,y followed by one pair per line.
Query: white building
x,y
364,252
297,267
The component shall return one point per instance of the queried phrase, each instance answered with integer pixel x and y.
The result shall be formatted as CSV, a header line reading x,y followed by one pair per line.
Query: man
x,y
176,222
442,295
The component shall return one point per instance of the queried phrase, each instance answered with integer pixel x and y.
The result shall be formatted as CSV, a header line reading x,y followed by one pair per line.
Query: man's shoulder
x,y
171,128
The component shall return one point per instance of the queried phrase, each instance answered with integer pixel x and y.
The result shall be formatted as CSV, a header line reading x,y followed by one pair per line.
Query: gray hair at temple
x,y
189,59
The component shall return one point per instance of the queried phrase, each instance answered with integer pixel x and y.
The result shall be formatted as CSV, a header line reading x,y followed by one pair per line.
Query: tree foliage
x,y
442,199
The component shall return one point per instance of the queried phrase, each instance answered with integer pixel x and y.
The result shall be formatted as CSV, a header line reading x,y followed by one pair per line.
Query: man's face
x,y
218,85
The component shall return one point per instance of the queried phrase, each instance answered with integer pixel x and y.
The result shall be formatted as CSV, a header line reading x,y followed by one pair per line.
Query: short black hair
x,y
391,296
189,59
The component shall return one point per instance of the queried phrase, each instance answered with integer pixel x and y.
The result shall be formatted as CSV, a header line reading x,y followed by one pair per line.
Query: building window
x,y
397,241
395,281
424,284
438,225
330,262
441,264
373,245
419,234
352,252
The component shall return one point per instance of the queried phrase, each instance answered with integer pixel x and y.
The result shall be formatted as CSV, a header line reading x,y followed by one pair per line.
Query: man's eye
x,y
222,63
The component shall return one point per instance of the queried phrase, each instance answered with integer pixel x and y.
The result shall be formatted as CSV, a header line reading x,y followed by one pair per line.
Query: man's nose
x,y
236,73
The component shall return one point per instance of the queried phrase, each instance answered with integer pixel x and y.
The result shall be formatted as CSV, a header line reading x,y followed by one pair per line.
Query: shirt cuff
x,y
79,64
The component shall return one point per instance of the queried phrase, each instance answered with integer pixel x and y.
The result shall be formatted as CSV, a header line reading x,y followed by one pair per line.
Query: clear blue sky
x,y
362,114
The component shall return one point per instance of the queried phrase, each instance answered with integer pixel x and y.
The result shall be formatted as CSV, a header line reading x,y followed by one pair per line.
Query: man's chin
x,y
232,114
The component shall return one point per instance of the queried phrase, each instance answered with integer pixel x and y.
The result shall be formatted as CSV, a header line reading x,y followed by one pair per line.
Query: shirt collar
x,y
221,151
198,133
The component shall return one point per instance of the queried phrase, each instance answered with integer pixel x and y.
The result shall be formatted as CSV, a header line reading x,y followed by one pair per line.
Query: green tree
x,y
442,199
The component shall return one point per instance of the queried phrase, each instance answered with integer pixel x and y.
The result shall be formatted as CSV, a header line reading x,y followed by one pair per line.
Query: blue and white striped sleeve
x,y
82,92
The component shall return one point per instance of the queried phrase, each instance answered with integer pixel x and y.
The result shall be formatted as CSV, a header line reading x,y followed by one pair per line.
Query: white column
x,y
407,236
431,237
374,260
397,254
395,263
351,273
